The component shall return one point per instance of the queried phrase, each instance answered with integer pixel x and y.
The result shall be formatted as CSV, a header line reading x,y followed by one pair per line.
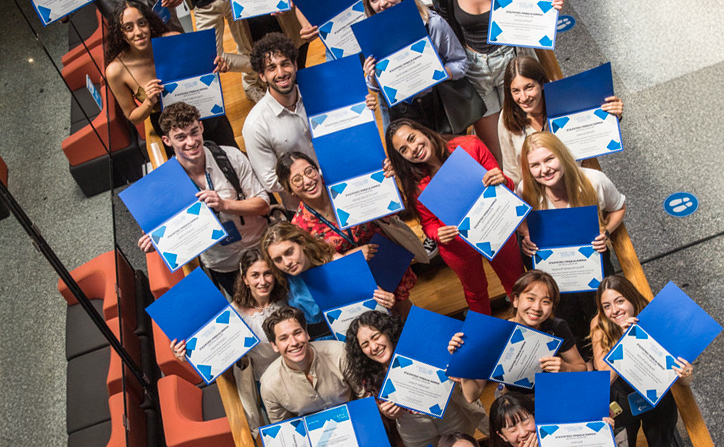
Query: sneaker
x,y
430,247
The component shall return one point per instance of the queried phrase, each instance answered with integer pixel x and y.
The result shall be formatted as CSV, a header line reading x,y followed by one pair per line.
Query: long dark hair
x,y
514,118
284,167
116,43
242,292
410,174
365,371
609,331
506,411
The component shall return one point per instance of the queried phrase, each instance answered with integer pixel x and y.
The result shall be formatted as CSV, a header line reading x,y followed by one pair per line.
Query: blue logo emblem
x,y
565,23
681,204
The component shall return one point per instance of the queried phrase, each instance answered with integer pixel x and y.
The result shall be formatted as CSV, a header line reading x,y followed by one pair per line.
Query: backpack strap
x,y
222,160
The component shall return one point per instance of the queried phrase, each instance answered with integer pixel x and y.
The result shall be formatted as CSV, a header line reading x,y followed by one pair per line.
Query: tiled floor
x,y
668,62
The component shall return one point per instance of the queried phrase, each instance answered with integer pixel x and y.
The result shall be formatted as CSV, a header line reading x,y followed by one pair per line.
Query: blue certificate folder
x,y
484,341
332,85
363,413
454,191
190,306
50,11
389,264
158,197
579,92
326,14
675,323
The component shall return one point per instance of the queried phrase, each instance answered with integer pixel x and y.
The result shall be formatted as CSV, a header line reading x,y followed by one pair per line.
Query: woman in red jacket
x,y
416,153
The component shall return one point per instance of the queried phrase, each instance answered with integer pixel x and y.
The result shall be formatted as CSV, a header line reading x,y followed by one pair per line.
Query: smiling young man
x,y
240,208
308,376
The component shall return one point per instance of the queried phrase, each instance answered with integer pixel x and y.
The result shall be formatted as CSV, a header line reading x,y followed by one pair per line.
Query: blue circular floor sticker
x,y
565,23
681,204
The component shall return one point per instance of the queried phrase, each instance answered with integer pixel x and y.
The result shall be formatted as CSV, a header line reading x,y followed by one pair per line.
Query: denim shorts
x,y
486,72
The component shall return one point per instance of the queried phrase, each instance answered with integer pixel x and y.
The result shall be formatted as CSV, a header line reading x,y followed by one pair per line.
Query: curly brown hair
x,y
279,315
177,116
271,45
242,293
117,43
365,371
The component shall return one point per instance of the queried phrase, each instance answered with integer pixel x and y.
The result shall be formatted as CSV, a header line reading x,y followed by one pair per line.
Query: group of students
x,y
300,368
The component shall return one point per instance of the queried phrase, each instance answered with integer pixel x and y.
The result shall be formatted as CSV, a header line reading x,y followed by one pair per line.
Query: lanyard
x,y
347,237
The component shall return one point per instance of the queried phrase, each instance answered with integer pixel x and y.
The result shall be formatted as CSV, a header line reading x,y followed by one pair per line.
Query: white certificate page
x,y
417,386
290,433
337,34
202,92
523,23
51,10
219,344
492,219
340,318
520,360
589,133
331,428
410,71
187,234
578,268
589,434
244,9
339,119
643,363
364,198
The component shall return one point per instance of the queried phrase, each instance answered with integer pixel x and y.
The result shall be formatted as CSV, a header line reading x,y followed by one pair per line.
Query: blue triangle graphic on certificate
x,y
171,259
379,177
652,395
282,5
499,372
586,251
486,248
194,209
325,29
613,145
542,255
359,108
596,426
208,79
594,283
559,123
388,389
501,4
217,234
616,354
436,410
391,93
169,88
338,189
524,382
545,6
359,7
495,30
401,362
546,41
299,427
520,210
670,362
394,206
490,192
217,109
333,315
191,345
381,66
601,114
224,318
317,120
638,333
237,9
553,344
439,74
44,13
419,47
463,233
205,371
465,224
249,341
370,304
338,53
517,336
158,234
340,337
548,430
272,432
442,376
343,216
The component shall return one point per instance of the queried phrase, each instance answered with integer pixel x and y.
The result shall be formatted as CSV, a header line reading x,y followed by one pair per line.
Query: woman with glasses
x,y
300,177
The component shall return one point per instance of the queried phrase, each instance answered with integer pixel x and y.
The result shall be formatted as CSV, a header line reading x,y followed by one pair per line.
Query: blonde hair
x,y
579,189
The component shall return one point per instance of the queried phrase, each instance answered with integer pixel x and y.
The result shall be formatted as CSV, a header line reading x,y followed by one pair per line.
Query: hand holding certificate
x,y
245,9
669,327
575,114
164,204
334,18
185,65
485,216
565,251
194,310
523,23
570,407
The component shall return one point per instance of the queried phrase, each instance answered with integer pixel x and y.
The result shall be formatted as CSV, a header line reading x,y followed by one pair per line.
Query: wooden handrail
x,y
632,270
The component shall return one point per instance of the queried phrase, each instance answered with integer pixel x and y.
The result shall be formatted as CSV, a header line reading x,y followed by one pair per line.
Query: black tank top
x,y
475,29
